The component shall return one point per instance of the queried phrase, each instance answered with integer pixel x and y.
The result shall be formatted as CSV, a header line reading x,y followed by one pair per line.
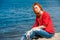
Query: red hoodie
x,y
46,21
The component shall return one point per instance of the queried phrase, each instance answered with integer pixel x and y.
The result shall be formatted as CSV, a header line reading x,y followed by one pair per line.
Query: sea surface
x,y
17,16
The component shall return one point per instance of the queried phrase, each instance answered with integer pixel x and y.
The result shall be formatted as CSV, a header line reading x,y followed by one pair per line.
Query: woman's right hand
x,y
42,26
36,29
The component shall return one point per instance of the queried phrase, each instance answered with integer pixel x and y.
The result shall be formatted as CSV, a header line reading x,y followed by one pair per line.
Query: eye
x,y
36,7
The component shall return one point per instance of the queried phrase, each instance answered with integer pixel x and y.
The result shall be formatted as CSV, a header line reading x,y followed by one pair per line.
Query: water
x,y
17,16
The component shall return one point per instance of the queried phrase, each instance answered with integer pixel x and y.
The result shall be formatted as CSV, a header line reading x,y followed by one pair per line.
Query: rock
x,y
55,37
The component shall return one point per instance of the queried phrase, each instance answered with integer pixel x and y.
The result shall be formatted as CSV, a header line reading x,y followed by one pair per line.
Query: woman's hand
x,y
36,29
41,27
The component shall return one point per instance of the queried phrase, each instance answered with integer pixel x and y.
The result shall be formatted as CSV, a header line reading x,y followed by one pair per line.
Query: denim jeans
x,y
41,32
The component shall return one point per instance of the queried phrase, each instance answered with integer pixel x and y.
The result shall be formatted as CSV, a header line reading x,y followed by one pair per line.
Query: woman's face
x,y
37,10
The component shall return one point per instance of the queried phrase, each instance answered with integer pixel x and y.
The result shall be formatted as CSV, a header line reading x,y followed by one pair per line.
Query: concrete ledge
x,y
55,37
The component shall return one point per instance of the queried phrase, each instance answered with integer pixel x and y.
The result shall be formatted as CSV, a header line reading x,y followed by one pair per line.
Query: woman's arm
x,y
45,20
36,23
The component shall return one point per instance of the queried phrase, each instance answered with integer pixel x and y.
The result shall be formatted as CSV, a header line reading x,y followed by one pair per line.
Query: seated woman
x,y
43,25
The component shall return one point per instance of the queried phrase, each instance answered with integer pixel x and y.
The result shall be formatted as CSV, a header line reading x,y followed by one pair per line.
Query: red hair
x,y
38,5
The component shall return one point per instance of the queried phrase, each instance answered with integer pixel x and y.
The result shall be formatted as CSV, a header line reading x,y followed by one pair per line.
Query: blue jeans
x,y
41,33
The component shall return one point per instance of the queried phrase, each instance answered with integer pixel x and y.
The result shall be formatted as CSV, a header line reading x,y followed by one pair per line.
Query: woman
x,y
43,25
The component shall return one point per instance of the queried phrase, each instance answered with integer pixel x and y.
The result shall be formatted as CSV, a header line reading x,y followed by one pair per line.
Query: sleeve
x,y
46,19
36,23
